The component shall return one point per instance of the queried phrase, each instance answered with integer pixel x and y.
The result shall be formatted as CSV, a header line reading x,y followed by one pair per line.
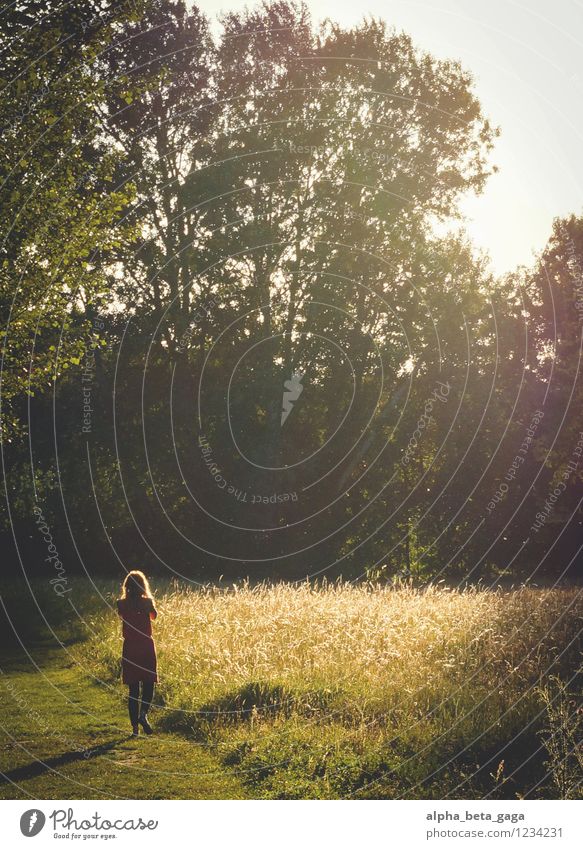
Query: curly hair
x,y
135,586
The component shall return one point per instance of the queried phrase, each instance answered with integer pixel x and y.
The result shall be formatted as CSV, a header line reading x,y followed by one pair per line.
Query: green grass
x,y
64,736
305,692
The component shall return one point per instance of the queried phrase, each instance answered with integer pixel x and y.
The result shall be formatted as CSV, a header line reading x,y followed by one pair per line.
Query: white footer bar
x,y
287,824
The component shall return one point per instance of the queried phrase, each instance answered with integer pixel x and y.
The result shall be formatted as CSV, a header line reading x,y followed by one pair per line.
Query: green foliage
x,y
59,213
563,735
199,218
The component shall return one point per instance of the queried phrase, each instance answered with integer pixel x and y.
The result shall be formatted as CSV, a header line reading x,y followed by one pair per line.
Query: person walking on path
x,y
139,664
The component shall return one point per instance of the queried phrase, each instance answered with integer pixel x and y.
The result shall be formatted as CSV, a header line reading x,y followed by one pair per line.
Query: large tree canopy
x,y
297,362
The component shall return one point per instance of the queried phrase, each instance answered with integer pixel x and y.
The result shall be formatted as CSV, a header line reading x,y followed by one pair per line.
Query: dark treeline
x,y
245,335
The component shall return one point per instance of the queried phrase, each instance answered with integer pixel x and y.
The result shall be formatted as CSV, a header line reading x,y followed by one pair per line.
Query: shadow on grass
x,y
40,767
33,656
246,703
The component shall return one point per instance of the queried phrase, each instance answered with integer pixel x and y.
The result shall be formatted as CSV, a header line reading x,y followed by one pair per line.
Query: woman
x,y
136,608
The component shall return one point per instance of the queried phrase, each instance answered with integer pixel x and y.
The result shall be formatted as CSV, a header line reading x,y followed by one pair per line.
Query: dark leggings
x,y
134,707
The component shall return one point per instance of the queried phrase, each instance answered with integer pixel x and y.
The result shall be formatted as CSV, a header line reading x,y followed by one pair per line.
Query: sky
x,y
527,61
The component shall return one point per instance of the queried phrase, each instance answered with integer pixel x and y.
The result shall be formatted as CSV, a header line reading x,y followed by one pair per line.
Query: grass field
x,y
313,692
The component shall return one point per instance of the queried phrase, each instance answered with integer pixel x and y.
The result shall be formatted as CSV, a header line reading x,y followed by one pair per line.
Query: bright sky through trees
x,y
528,66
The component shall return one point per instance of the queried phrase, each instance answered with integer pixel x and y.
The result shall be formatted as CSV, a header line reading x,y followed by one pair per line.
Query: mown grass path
x,y
63,736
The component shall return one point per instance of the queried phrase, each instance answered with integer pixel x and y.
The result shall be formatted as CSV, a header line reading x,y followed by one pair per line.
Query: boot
x,y
145,724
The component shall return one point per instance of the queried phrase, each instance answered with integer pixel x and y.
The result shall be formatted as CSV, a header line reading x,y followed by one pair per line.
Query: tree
x,y
59,207
297,192
264,220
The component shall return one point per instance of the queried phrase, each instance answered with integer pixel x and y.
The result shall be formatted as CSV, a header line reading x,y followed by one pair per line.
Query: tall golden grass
x,y
288,669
